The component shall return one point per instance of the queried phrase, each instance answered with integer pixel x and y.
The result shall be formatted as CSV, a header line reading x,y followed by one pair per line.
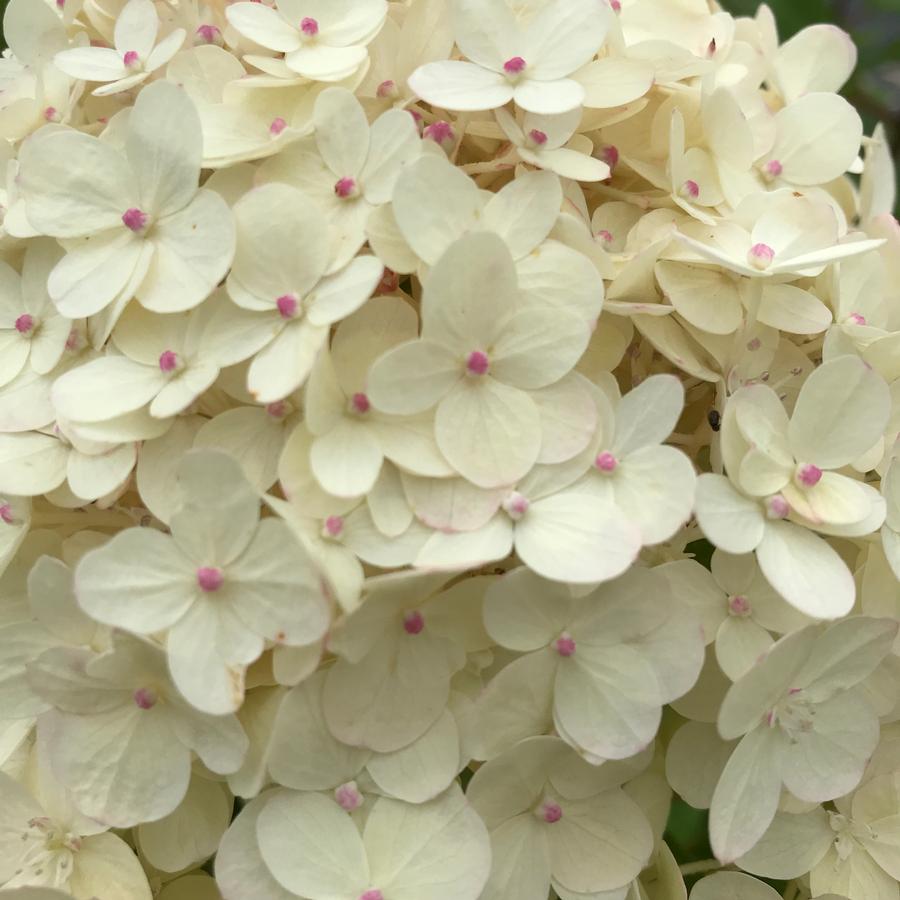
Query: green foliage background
x,y
875,91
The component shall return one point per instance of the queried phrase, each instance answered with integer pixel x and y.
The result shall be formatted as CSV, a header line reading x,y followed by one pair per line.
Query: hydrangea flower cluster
x,y
434,436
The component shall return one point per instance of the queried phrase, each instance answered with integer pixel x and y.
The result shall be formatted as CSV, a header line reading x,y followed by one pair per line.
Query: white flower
x,y
322,40
540,141
47,842
599,667
803,722
780,483
348,167
351,438
133,223
221,573
135,57
122,708
32,333
530,65
291,302
481,354
555,819
736,606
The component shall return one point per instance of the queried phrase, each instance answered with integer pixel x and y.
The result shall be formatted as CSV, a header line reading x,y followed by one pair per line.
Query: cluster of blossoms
x,y
376,380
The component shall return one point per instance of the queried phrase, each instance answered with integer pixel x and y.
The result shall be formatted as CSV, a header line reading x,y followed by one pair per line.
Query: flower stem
x,y
703,865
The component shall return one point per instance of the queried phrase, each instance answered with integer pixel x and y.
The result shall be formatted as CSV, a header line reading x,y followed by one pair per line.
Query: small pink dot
x,y
386,89
277,409
6,513
770,718
131,58
309,26
514,66
711,48
360,403
287,306
168,361
135,219
857,318
51,114
537,137
793,691
372,894
73,341
209,578
774,168
565,644
278,125
60,4
24,323
605,236
690,189
754,344
777,507
606,462
551,812
209,34
440,132
516,505
334,525
616,6
345,188
389,283
761,256
145,698
348,796
478,363
610,155
413,622
809,475
739,605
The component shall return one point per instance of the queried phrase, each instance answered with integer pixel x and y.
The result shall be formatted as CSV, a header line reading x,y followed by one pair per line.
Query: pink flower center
x,y
6,513
386,89
565,644
774,168
277,409
516,505
51,114
739,605
477,363
168,361
145,698
334,525
413,622
24,323
777,507
360,403
551,812
287,306
537,137
309,26
372,894
135,219
514,66
857,318
389,283
440,132
209,34
610,155
345,188
278,125
809,475
690,189
605,236
606,462
615,5
348,796
131,58
209,578
761,256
